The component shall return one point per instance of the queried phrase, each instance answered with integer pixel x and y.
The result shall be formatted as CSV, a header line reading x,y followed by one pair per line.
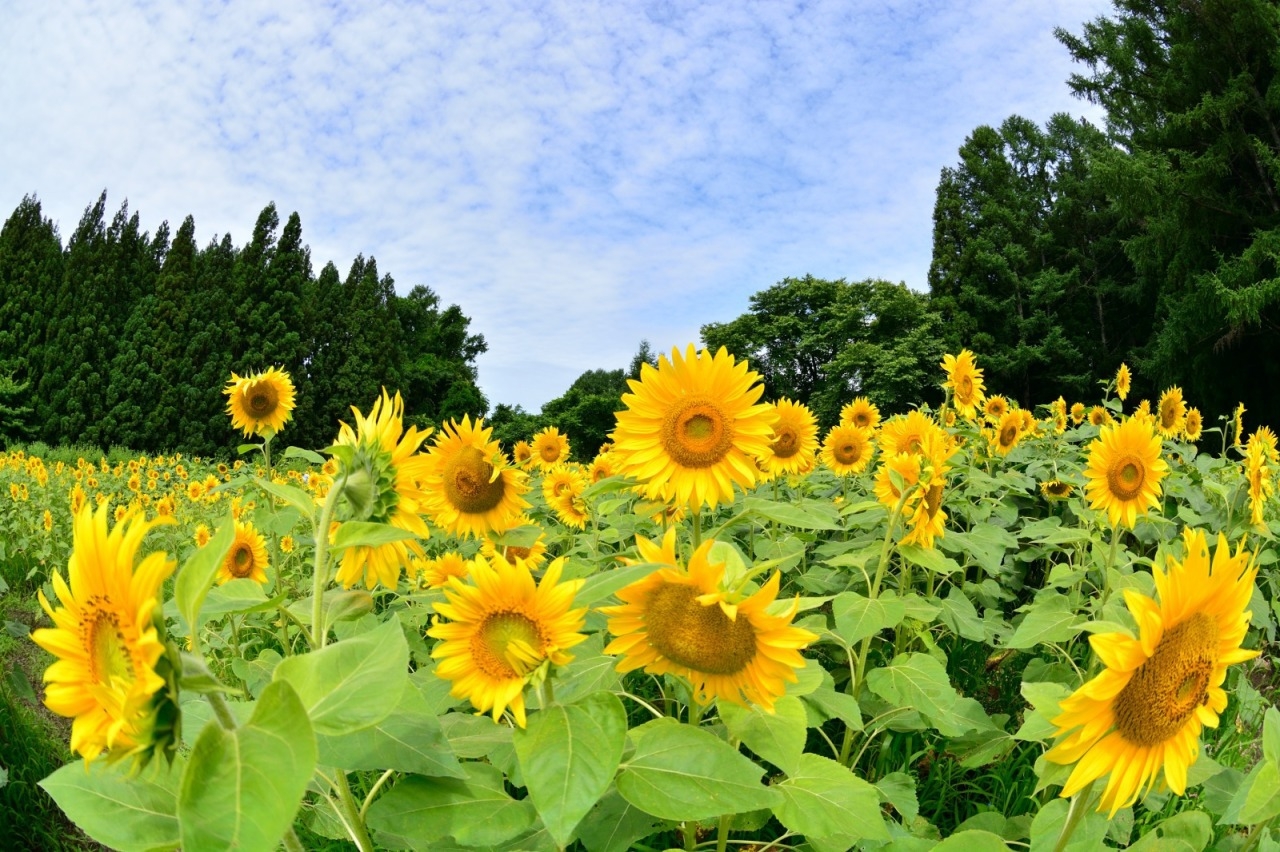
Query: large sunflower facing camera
x,y
692,428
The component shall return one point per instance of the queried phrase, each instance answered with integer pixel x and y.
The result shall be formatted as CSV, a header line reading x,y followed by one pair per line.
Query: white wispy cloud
x,y
576,176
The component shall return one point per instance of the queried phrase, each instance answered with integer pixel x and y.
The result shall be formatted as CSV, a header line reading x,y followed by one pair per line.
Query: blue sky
x,y
575,176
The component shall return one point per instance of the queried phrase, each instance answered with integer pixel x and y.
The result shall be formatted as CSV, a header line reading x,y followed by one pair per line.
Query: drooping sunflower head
x,y
1056,489
795,438
1263,441
110,677
691,427
1124,471
682,621
501,629
847,449
1144,713
247,558
1258,474
1123,381
550,448
861,413
471,489
1172,416
260,403
381,469
964,380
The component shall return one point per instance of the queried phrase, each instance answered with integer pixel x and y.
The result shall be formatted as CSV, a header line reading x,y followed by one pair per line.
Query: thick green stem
x,y
222,710
722,833
1255,835
291,841
320,577
1106,569
1079,803
355,823
697,526
368,800
689,828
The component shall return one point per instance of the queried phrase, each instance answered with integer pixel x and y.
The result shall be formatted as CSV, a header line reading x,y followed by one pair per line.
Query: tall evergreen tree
x,y
438,375
30,275
1192,98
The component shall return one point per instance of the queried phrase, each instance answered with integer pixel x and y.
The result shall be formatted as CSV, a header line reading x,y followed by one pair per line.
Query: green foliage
x,y
128,338
823,342
1028,269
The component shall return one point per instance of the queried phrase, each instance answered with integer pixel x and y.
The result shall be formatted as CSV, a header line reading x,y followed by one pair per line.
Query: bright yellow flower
x,y
1194,426
995,407
1056,489
1124,471
471,489
550,448
1144,713
794,441
105,637
1007,433
202,535
1077,413
1123,380
387,463
535,554
683,621
247,557
260,403
692,427
1172,417
861,413
847,449
964,379
523,454
435,573
501,628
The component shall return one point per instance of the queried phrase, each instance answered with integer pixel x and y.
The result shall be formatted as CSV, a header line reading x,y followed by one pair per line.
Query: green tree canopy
x,y
824,342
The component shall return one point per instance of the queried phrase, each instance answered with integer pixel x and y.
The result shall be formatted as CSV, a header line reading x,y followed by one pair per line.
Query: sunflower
x,y
286,544
1056,489
570,508
47,521
471,489
261,403
501,628
522,453
682,621
1144,713
925,517
435,573
1194,425
691,427
1123,380
603,467
246,558
847,449
1124,471
1265,440
898,473
108,638
550,448
795,438
861,413
534,555
1007,433
558,480
1237,422
1172,419
382,467
906,433
202,535
964,379
1261,486
1099,416
77,498
995,407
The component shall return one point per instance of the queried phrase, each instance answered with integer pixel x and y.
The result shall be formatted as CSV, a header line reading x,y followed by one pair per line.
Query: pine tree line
x,y
127,338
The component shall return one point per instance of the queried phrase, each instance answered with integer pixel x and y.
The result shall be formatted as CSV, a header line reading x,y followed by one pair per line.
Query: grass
x,y
33,742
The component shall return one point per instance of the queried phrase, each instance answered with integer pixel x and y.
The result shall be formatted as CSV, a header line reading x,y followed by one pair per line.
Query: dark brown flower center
x,y
786,443
701,638
1166,689
469,484
262,399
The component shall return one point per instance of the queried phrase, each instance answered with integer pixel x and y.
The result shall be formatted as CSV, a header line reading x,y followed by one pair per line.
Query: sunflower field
x,y
976,627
